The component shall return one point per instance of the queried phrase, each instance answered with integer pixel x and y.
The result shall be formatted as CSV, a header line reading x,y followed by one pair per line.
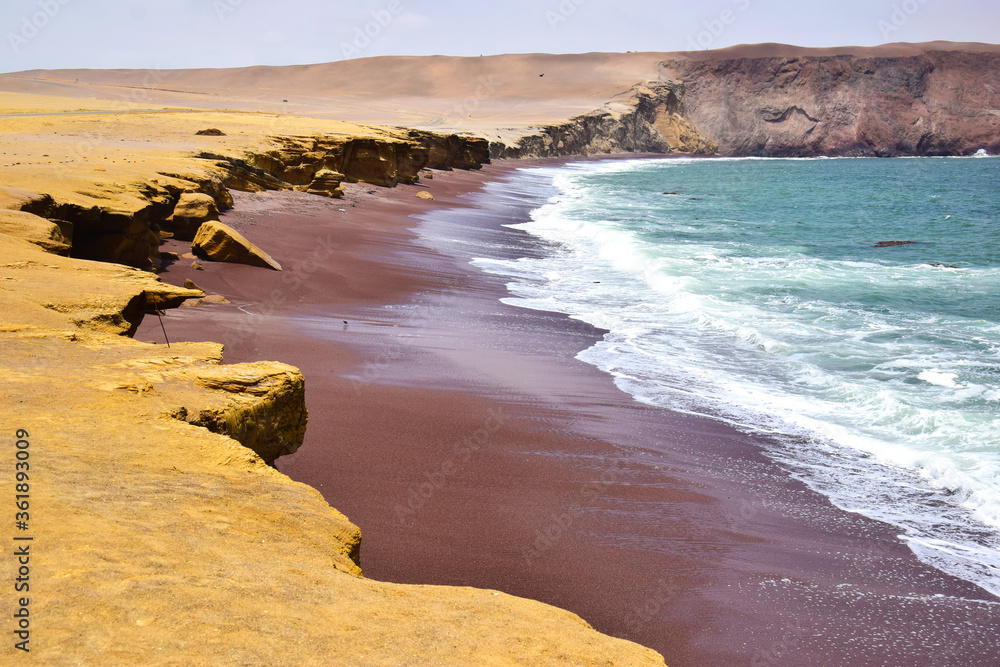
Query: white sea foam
x,y
889,410
941,379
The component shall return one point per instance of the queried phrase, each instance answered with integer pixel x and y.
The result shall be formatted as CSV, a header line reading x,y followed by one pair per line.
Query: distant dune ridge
x,y
762,99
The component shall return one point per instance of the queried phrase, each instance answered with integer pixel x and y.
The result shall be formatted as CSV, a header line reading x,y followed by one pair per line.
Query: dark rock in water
x,y
211,132
889,244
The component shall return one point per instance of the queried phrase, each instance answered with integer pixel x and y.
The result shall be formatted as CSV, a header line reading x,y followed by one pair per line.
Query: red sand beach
x,y
472,449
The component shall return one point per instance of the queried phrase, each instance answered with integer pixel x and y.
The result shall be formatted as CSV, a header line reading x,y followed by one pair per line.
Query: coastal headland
x,y
161,531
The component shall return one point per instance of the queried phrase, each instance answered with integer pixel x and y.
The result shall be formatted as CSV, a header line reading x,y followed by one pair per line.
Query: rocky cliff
x,y
783,101
938,101
93,199
156,532
651,119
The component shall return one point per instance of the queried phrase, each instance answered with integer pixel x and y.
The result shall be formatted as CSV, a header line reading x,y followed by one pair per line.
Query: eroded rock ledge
x,y
652,118
124,227
160,533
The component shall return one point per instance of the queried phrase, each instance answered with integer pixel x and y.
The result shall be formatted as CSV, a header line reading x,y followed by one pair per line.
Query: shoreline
x,y
670,530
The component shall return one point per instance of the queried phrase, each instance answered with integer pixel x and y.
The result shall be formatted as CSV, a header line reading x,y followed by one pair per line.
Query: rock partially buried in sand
x,y
211,298
327,183
222,243
425,195
211,132
192,209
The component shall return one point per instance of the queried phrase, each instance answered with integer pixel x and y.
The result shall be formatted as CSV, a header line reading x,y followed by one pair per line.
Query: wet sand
x,y
472,449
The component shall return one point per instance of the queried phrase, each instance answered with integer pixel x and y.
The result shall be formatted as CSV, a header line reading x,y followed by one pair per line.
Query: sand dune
x,y
492,95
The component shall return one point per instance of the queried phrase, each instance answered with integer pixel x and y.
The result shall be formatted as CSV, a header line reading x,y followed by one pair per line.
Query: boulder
x,y
327,183
192,209
222,243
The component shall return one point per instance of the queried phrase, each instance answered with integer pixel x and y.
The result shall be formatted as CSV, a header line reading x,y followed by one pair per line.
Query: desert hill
x,y
762,99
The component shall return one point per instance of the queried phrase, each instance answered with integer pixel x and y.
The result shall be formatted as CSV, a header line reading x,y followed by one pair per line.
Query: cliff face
x,y
116,214
932,103
651,119
158,532
872,102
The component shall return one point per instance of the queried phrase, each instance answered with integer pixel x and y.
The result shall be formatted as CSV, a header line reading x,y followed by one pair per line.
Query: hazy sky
x,y
232,33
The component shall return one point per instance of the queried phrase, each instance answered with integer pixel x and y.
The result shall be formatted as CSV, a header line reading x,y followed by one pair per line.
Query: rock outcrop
x,y
109,200
452,151
937,102
190,211
221,243
44,233
163,536
327,183
651,119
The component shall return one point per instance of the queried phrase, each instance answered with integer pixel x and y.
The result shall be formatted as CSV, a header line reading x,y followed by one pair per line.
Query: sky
x,y
169,34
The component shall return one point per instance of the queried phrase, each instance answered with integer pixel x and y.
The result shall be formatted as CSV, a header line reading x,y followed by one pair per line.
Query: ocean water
x,y
754,291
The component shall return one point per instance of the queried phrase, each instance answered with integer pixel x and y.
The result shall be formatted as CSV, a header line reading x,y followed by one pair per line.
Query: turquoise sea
x,y
764,292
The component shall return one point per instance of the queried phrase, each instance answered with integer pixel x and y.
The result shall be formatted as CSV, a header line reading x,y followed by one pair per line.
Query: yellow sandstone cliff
x,y
159,533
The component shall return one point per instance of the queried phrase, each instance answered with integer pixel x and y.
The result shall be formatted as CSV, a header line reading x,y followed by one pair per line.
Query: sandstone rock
x,y
211,132
42,290
222,243
327,183
166,541
265,410
190,284
384,162
212,298
34,229
161,520
192,209
423,194
197,266
453,151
